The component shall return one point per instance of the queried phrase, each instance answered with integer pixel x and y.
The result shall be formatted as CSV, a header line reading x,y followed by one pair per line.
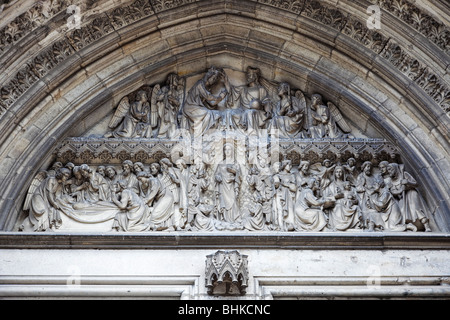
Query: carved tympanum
x,y
224,157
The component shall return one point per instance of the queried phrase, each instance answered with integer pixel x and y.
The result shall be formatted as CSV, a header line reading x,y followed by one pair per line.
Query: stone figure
x,y
288,116
326,120
228,184
100,171
383,166
309,208
285,184
326,173
97,188
386,214
200,108
345,213
253,102
78,185
403,188
55,167
254,217
43,205
267,189
365,186
203,219
130,120
165,106
160,200
351,171
198,187
138,167
111,177
128,175
134,212
182,176
171,182
303,174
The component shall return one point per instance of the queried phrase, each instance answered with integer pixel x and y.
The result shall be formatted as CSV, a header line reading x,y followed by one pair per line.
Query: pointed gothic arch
x,y
59,83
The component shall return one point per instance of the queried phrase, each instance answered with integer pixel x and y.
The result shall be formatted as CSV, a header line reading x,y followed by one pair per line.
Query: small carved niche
x,y
226,273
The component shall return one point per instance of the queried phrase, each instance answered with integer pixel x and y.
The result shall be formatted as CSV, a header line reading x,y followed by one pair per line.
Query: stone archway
x,y
61,82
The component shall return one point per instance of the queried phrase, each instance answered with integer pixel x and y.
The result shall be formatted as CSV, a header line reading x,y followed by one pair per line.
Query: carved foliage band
x,y
39,66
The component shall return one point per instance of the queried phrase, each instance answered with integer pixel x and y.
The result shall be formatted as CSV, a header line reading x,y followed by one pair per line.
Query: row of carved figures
x,y
179,196
213,103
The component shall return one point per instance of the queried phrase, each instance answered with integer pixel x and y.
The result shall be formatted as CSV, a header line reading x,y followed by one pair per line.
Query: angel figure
x,y
43,201
326,121
130,119
288,117
404,189
165,106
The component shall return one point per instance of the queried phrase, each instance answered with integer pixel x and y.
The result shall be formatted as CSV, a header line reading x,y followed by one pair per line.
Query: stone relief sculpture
x,y
131,118
276,161
326,120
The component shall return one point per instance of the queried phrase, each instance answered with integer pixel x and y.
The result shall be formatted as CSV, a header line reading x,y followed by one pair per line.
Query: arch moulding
x,y
389,84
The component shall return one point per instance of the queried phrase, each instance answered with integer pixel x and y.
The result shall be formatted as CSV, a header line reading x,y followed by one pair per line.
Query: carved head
x,y
253,75
141,96
393,170
316,99
77,173
138,167
62,174
228,151
181,164
347,186
165,163
110,172
313,183
339,173
304,166
143,177
284,88
127,166
212,76
101,170
367,168
327,163
383,167
85,170
57,165
155,168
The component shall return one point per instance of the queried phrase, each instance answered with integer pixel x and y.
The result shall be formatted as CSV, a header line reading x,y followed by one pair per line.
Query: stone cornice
x,y
176,240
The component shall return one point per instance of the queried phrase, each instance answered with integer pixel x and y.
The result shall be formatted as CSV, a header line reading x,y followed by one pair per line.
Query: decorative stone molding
x,y
118,18
295,6
226,273
436,32
114,151
32,19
